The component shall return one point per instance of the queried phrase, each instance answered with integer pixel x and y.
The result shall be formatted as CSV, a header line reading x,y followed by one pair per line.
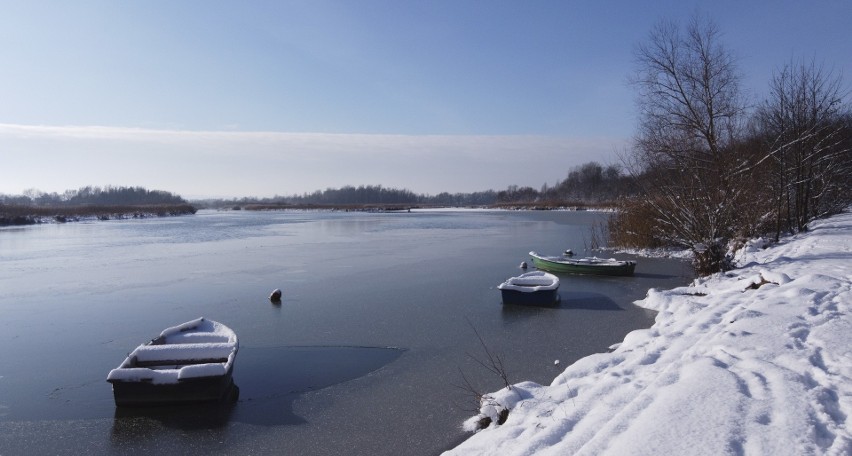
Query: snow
x,y
198,324
138,374
182,352
203,370
753,361
194,331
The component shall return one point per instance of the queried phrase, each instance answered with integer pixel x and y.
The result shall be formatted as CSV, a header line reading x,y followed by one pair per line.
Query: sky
x,y
262,98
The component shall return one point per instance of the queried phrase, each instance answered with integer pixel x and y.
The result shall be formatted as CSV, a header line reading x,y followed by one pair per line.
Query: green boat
x,y
590,265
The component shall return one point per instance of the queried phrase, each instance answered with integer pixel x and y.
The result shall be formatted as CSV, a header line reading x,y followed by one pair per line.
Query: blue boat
x,y
537,288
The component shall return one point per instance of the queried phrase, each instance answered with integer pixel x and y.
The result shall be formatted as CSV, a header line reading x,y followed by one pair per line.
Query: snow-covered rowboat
x,y
537,288
190,362
590,265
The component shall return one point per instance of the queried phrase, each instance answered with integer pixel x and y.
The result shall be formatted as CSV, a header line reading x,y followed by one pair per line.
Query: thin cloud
x,y
267,163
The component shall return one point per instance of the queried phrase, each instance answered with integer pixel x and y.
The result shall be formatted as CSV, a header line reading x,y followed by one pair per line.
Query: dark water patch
x,y
589,301
267,381
271,378
646,275
567,300
512,312
129,421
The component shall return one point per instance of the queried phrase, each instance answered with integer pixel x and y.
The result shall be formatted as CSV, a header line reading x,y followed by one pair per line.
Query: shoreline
x,y
379,207
35,215
728,354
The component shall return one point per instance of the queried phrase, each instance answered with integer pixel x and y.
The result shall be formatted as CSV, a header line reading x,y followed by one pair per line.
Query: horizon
x,y
227,101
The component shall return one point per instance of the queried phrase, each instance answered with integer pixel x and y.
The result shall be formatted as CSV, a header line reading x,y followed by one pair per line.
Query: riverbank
x,y
408,207
31,215
754,361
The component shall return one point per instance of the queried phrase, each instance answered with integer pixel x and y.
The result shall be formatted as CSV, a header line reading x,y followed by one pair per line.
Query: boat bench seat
x,y
171,363
182,354
195,338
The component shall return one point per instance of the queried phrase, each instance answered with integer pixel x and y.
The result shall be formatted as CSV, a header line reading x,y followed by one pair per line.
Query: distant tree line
x,y
93,196
588,184
475,199
362,195
35,206
711,171
344,196
349,195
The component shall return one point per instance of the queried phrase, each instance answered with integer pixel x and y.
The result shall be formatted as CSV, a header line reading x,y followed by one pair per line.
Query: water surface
x,y
373,349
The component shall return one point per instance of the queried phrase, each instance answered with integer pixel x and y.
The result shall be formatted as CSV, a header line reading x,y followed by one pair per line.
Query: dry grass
x,y
632,226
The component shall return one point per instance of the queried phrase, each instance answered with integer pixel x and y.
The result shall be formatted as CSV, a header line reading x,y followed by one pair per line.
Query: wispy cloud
x,y
326,141
264,162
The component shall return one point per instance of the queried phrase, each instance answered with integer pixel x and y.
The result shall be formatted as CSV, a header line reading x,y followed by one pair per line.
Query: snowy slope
x,y
754,361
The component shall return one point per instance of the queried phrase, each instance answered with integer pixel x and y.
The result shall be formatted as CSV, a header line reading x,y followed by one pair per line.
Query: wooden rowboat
x,y
537,288
589,265
190,362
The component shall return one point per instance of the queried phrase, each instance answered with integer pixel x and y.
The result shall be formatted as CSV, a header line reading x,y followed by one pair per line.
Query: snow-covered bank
x,y
755,361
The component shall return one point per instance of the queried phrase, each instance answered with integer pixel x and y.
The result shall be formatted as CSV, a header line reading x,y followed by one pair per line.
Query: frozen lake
x,y
364,355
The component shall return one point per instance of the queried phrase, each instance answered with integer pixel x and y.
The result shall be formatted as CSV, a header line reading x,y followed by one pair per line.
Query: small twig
x,y
495,362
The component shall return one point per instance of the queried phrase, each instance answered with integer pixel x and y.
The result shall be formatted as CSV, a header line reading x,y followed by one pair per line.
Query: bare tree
x,y
689,95
691,112
806,128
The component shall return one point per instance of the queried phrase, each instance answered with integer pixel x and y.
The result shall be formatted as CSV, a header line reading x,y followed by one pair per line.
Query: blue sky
x,y
214,98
